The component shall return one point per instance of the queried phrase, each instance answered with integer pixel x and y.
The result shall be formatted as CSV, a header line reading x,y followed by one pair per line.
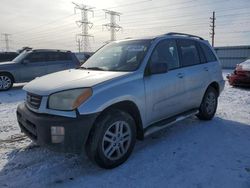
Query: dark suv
x,y
35,63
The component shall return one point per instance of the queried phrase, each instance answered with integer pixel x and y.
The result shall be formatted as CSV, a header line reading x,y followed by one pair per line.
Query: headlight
x,y
69,100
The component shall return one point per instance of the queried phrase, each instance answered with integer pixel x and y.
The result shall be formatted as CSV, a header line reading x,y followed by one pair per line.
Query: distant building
x,y
230,56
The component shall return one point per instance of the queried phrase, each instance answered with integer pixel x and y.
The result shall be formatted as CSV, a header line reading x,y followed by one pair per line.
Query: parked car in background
x,y
241,75
126,91
7,56
83,56
35,63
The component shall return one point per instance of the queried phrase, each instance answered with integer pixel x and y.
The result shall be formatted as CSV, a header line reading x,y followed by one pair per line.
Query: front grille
x,y
34,101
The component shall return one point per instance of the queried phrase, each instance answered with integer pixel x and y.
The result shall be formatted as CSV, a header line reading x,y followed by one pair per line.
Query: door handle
x,y
206,68
180,75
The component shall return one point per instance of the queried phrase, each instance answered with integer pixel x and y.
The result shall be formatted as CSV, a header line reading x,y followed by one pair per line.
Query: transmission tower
x,y
212,26
82,39
113,27
6,40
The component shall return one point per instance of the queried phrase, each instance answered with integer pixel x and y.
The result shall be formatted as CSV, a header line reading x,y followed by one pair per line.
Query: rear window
x,y
208,53
188,53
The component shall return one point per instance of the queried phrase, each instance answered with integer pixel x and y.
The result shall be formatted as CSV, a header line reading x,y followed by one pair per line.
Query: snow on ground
x,y
192,154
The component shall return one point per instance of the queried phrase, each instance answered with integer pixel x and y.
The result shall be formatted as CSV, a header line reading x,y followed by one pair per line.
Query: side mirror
x,y
25,61
158,68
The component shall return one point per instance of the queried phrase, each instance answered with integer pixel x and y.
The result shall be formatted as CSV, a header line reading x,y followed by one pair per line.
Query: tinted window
x,y
166,52
201,53
36,57
208,53
64,56
7,56
57,56
188,53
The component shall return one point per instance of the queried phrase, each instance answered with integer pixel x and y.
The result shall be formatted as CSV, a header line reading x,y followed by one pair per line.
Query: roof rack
x,y
184,34
50,50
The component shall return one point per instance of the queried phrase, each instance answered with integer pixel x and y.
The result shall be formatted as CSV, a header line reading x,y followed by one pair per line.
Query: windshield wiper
x,y
95,68
82,68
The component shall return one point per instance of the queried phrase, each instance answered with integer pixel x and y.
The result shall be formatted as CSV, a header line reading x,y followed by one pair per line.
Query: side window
x,y
201,53
208,53
63,56
57,56
166,52
36,57
188,53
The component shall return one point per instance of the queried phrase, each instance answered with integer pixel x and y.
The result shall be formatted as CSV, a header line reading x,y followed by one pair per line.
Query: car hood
x,y
6,63
69,79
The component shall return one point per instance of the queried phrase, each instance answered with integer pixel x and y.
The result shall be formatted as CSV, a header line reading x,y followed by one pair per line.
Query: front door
x,y
165,93
34,65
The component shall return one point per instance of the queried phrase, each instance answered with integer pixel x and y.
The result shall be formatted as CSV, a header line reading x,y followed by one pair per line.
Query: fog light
x,y
57,134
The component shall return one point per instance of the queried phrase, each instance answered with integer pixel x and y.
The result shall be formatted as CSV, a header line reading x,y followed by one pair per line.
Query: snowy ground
x,y
192,154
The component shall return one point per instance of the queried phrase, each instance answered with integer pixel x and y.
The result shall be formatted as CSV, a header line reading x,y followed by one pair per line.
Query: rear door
x,y
165,92
197,76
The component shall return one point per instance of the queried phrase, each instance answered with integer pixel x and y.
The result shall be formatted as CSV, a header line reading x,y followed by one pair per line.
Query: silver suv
x,y
126,91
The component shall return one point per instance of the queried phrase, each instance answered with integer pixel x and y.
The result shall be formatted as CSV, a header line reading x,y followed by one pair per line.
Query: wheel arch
x,y
216,86
8,73
132,109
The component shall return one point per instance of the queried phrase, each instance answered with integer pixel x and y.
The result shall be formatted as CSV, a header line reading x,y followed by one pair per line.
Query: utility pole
x,y
212,27
113,27
6,40
85,25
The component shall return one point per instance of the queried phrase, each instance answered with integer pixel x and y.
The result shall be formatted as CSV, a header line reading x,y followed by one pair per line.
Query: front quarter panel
x,y
12,69
128,88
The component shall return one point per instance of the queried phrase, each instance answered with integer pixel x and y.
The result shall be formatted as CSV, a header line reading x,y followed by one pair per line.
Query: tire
x,y
6,82
106,146
208,105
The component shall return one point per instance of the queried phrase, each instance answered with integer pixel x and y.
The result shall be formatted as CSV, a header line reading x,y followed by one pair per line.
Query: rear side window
x,y
201,53
208,53
64,56
189,53
58,56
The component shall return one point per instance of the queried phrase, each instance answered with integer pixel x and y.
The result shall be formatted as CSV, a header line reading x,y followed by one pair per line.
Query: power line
x,y
113,27
45,24
85,26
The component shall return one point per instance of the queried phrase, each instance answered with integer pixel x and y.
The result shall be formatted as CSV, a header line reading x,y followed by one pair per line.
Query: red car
x,y
241,75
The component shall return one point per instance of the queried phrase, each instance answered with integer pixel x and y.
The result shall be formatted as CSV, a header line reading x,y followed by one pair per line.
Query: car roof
x,y
49,50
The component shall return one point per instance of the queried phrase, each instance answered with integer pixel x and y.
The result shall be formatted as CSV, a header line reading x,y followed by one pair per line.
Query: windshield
x,y
119,56
21,56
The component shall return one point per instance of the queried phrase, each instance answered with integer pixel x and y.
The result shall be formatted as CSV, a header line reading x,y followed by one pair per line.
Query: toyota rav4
x,y
126,91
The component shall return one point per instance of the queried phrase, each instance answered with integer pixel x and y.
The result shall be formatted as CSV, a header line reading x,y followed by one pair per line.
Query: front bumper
x,y
38,127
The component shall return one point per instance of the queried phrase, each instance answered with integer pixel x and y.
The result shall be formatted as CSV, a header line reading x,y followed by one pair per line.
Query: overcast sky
x,y
51,23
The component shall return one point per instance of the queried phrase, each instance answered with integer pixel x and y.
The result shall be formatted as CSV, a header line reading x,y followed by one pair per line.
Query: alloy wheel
x,y
116,140
5,82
